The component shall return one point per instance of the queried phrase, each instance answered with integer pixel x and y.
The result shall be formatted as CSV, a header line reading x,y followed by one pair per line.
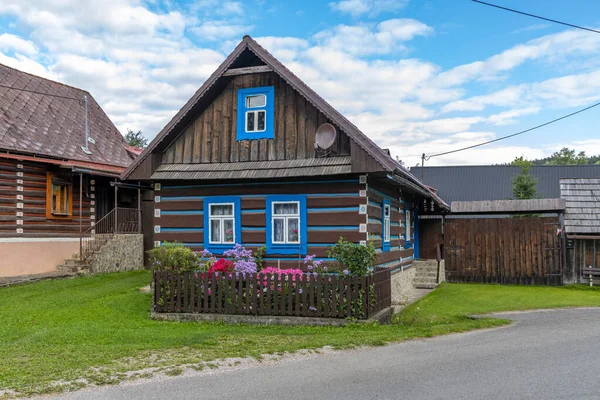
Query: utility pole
x,y
422,167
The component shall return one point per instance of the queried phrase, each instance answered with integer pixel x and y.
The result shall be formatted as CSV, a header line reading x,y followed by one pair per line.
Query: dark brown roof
x,y
256,169
47,125
381,156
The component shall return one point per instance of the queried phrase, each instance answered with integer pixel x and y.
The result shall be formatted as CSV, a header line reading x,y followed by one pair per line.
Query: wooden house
x,y
582,224
257,157
54,181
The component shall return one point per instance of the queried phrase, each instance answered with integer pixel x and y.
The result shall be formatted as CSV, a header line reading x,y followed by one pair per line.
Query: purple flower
x,y
311,308
346,272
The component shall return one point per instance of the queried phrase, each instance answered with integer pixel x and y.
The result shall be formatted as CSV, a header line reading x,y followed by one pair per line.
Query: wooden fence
x,y
328,296
503,250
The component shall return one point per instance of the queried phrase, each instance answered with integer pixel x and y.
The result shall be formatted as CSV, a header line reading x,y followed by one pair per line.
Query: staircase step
x,y
425,286
66,268
75,262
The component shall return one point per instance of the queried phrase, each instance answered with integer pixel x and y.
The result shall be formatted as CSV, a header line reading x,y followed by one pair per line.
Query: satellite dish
x,y
325,136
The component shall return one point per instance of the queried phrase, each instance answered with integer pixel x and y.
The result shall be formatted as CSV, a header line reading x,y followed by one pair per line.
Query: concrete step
x,y
425,286
76,262
66,268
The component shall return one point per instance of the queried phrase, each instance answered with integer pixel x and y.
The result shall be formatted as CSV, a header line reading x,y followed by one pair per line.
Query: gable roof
x,y
382,157
494,182
583,205
52,124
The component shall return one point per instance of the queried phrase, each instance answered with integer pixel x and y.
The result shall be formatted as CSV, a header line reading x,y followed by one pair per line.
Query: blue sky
x,y
416,76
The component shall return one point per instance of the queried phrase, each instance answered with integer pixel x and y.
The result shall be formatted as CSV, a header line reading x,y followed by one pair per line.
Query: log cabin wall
x,y
23,202
333,211
211,138
400,254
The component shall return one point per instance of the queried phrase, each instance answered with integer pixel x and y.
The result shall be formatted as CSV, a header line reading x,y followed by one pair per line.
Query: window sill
x,y
299,248
219,248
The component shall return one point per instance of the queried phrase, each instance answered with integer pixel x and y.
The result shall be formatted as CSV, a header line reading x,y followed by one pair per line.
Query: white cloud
x,y
387,37
218,30
370,7
18,45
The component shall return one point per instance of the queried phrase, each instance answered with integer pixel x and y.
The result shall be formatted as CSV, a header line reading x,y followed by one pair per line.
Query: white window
x,y
386,222
286,222
256,120
221,223
408,233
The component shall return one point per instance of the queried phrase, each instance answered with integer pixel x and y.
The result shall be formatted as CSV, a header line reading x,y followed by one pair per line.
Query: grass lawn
x,y
97,328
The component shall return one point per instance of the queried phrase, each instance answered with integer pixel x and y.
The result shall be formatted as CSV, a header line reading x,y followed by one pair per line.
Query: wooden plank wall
x,y
430,235
211,138
399,255
333,211
584,254
503,250
23,203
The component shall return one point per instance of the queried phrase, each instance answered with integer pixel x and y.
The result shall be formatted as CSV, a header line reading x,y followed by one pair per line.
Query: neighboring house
x,y
51,188
240,163
494,182
582,223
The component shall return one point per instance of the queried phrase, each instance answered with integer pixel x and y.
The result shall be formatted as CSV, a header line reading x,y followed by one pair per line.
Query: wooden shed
x,y
582,223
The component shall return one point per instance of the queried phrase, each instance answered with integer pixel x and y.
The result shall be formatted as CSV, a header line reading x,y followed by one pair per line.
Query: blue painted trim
x,y
181,230
300,248
416,222
333,209
258,183
295,258
334,228
385,242
356,194
387,263
407,244
269,109
374,221
374,236
182,212
252,211
252,228
237,226
178,198
394,223
374,203
395,237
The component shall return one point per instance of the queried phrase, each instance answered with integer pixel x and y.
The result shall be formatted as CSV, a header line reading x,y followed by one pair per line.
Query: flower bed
x,y
276,293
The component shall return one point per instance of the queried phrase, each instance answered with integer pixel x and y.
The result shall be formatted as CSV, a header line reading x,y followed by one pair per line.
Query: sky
x,y
417,76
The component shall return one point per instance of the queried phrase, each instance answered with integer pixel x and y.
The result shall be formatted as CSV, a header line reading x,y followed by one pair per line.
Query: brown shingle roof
x,y
54,126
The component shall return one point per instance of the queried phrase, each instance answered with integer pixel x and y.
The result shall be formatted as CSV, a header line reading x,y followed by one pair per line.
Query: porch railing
x,y
118,221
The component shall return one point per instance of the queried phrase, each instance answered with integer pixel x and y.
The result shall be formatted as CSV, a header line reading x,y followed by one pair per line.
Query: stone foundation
x,y
402,284
121,253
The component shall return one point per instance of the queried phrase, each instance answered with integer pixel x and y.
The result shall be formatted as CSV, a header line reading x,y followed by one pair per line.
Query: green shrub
x,y
356,258
174,257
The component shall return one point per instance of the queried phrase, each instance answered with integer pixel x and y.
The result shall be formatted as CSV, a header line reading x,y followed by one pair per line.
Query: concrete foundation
x,y
402,284
384,317
120,253
28,256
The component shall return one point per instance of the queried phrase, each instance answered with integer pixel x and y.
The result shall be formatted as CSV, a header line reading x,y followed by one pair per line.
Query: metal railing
x,y
118,221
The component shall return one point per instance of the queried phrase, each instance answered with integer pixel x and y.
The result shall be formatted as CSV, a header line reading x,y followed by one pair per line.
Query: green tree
x,y
521,162
524,185
136,139
566,156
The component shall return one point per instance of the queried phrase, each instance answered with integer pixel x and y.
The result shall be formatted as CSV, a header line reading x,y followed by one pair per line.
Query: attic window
x,y
255,113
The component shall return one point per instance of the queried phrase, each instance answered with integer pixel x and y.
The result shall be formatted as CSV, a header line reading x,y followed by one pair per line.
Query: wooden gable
x,y
211,137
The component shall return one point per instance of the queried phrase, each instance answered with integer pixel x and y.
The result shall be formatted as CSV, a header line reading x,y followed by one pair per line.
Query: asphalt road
x,y
544,355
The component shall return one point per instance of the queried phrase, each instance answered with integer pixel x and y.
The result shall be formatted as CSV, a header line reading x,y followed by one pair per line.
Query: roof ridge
x,y
43,78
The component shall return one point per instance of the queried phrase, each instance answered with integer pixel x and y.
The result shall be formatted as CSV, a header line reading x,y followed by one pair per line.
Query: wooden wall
x,y
211,138
503,250
333,211
430,235
584,253
23,203
399,255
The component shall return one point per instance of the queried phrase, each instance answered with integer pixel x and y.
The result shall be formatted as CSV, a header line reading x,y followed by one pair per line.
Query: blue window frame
x,y
286,224
222,223
407,229
256,113
386,212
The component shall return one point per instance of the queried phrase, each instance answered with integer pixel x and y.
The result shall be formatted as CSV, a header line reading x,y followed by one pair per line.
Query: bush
x,y
174,257
356,258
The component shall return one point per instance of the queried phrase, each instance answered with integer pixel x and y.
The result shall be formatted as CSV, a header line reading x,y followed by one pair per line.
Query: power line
x,y
536,16
45,94
514,134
